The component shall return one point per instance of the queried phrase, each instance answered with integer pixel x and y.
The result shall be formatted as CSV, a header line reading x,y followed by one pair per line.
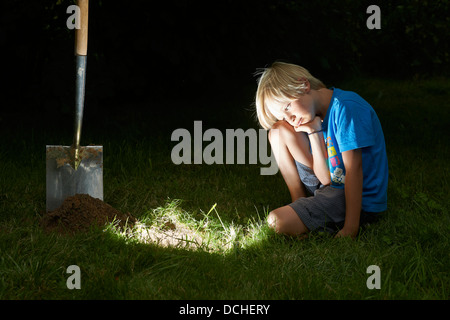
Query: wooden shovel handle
x,y
81,35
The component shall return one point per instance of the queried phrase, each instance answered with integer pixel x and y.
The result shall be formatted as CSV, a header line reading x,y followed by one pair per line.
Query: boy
x,y
328,143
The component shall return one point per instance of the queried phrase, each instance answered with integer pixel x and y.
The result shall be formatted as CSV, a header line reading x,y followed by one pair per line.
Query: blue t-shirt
x,y
351,123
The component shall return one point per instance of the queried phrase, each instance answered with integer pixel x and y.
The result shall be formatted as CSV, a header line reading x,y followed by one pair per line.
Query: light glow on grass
x,y
171,226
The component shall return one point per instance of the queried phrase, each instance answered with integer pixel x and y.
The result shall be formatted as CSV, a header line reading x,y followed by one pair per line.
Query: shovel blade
x,y
63,181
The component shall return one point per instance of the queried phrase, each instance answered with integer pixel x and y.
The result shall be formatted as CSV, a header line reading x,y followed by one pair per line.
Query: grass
x,y
223,248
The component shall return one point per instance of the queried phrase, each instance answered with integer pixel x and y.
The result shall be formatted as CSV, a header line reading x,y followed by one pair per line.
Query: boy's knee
x,y
284,220
274,133
279,130
275,222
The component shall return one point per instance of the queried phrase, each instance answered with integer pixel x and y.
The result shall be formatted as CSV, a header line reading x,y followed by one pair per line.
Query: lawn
x,y
226,250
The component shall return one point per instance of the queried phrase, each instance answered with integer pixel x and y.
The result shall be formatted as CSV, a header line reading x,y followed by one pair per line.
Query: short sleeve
x,y
354,126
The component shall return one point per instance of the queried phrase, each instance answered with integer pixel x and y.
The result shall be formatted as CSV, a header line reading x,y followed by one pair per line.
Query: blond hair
x,y
280,84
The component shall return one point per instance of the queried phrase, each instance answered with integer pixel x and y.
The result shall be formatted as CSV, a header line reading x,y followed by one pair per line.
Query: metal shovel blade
x,y
63,180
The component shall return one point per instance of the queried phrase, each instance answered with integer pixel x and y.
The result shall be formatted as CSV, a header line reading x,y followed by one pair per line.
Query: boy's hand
x,y
347,233
314,125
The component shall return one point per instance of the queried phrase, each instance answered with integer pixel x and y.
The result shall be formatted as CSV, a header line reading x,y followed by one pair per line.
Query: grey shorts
x,y
308,178
325,209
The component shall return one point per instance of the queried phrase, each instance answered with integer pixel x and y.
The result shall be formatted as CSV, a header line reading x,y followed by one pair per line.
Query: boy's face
x,y
296,112
299,111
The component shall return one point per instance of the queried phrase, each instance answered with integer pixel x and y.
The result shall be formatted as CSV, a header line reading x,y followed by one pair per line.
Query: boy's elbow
x,y
324,178
325,182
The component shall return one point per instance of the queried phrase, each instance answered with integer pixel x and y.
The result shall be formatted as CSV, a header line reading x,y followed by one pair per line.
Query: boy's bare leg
x,y
287,145
284,220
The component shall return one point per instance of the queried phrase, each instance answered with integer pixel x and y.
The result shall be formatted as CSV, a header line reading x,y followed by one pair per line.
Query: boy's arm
x,y
318,149
320,158
353,192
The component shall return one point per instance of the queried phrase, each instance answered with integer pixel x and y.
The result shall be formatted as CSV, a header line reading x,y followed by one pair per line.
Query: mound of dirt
x,y
80,212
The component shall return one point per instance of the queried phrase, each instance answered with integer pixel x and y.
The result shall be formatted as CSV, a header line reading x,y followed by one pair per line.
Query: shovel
x,y
75,169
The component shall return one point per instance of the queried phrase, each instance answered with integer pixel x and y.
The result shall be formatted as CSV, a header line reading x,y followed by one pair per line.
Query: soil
x,y
80,212
64,154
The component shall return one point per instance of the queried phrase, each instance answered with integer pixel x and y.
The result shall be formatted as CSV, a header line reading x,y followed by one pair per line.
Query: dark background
x,y
174,61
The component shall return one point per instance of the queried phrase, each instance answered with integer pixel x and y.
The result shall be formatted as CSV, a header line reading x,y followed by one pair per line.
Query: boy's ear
x,y
307,84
